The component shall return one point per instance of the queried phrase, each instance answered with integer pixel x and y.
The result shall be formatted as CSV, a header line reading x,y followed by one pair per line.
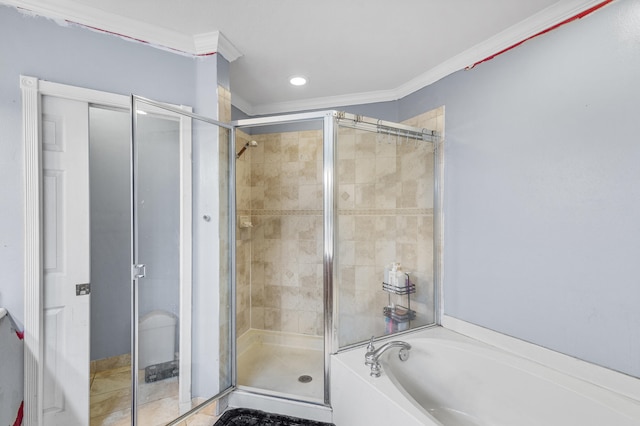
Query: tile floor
x,y
263,366
277,368
111,396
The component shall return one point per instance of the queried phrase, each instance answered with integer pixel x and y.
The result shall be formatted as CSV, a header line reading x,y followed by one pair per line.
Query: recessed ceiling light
x,y
298,80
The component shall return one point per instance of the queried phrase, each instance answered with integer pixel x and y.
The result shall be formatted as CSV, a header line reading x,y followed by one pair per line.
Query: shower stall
x,y
326,205
255,250
319,207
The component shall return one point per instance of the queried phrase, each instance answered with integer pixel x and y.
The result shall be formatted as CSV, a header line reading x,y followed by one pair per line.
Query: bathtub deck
x,y
453,379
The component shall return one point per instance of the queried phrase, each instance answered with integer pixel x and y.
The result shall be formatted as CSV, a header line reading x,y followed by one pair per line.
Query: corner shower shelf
x,y
399,313
401,291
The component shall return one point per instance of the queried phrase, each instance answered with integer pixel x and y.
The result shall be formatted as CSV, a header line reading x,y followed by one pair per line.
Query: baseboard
x,y
612,380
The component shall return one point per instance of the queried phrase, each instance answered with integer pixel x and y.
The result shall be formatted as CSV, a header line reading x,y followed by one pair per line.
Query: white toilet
x,y
157,338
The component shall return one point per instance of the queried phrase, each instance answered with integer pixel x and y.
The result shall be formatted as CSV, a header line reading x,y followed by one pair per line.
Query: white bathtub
x,y
453,380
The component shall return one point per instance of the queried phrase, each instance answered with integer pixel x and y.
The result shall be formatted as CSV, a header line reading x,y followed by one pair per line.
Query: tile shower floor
x,y
279,368
111,401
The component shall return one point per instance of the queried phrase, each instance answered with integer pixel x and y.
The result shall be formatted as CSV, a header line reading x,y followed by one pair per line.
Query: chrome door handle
x,y
139,271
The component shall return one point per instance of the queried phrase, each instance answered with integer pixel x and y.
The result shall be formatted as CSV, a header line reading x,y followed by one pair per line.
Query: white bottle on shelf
x,y
399,276
387,274
392,274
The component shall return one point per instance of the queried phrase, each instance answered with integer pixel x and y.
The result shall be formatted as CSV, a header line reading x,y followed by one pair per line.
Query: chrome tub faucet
x,y
373,354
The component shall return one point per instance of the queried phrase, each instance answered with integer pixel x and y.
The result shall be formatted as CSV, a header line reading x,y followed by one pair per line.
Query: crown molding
x,y
72,12
215,41
158,37
240,103
327,102
531,26
227,49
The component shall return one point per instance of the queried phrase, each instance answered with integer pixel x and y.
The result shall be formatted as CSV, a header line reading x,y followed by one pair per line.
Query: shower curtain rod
x,y
387,127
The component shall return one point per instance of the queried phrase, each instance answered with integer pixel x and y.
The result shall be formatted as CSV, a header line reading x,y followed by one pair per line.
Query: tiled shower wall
x,y
385,199
385,214
279,188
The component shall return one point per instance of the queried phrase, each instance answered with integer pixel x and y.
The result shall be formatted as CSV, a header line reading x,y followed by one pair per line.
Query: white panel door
x,y
65,136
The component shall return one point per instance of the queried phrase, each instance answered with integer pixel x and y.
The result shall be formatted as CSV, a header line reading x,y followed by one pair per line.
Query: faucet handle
x,y
370,347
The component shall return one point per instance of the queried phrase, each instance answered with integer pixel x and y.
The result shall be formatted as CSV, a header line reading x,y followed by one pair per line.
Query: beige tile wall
x,y
385,201
279,185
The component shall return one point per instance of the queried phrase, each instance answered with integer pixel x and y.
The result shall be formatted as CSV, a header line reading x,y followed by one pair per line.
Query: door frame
x,y
32,90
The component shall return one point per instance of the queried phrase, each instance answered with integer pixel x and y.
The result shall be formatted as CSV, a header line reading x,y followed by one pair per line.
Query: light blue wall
x,y
542,200
158,215
542,193
80,57
207,336
158,223
110,189
76,56
542,189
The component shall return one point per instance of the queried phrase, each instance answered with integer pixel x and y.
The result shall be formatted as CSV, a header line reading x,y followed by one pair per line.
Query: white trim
x,y
327,102
542,20
32,91
227,49
132,29
48,88
215,41
206,43
240,103
531,26
33,353
97,19
600,376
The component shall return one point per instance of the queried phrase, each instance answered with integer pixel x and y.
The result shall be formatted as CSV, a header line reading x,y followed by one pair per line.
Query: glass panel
x,y
385,196
225,291
181,236
110,189
279,258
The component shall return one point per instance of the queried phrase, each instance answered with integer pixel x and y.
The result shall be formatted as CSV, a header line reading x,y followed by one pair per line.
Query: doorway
x,y
279,258
57,373
206,365
159,308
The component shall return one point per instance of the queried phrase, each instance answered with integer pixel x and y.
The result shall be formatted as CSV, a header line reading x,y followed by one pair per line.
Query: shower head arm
x,y
249,144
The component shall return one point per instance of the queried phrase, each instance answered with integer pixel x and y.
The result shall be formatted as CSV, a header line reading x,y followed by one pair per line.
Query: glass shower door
x,y
181,295
387,243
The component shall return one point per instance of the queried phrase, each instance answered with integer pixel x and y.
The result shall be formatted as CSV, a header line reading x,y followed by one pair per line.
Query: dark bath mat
x,y
246,417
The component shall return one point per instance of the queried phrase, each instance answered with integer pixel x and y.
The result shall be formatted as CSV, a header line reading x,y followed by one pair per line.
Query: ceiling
x,y
351,51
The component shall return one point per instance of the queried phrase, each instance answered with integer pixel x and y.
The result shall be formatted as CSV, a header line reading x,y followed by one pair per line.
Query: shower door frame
x,y
329,137
232,258
33,90
330,127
